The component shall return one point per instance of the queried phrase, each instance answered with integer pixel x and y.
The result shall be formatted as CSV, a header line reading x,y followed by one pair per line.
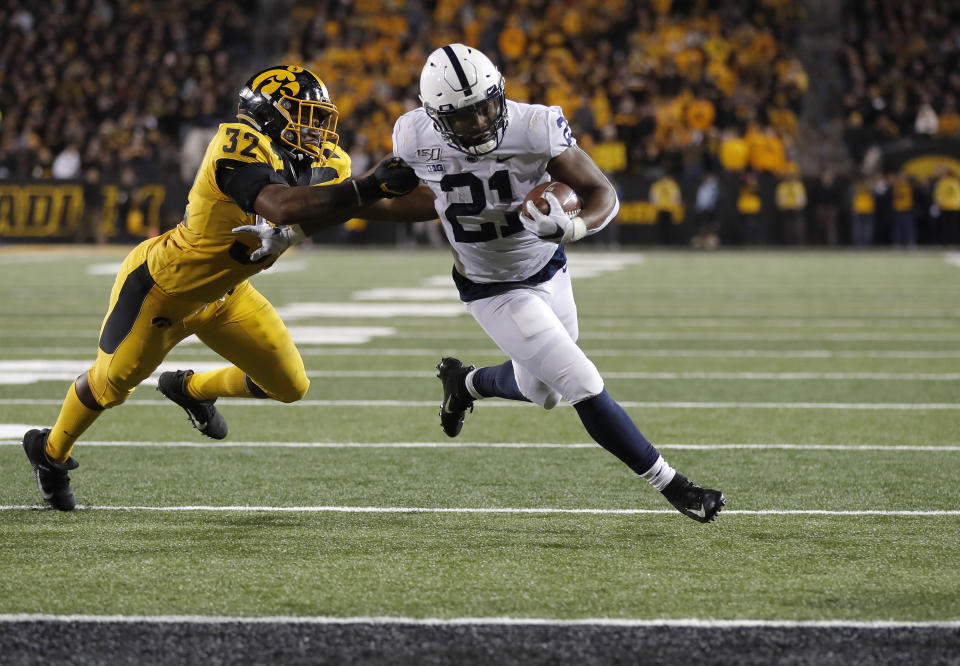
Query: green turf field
x,y
819,391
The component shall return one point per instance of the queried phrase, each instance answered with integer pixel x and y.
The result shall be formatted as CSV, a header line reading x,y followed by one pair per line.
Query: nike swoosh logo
x,y
446,405
702,513
557,235
43,493
504,159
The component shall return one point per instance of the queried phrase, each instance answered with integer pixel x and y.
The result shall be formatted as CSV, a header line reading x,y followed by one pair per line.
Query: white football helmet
x,y
462,91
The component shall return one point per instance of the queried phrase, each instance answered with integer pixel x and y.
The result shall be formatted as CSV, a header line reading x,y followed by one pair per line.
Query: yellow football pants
x,y
143,323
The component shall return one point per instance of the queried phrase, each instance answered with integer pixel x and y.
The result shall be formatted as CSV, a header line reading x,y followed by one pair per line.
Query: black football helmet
x,y
291,104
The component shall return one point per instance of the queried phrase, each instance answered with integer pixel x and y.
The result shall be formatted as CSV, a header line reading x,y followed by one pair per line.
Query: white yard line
x,y
494,621
27,371
479,510
512,404
437,352
949,448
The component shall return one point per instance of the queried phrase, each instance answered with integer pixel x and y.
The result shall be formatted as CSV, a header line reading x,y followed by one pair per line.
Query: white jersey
x,y
478,198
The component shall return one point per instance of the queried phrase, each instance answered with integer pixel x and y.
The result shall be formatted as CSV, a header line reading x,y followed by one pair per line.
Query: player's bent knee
x,y
294,392
573,374
114,394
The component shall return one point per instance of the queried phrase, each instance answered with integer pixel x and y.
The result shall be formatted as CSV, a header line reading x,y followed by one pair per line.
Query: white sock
x,y
468,380
660,474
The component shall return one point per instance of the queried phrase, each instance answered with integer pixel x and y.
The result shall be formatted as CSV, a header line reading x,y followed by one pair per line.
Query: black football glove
x,y
395,177
392,178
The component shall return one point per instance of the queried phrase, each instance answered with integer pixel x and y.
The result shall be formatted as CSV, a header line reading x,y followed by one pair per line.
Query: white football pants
x,y
537,328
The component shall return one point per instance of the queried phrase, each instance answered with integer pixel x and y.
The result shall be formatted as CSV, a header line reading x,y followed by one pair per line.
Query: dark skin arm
x,y
417,206
315,208
578,170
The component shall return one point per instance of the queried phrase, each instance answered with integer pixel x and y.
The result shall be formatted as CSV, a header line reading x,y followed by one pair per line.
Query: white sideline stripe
x,y
511,404
771,337
34,370
490,445
478,510
496,621
307,350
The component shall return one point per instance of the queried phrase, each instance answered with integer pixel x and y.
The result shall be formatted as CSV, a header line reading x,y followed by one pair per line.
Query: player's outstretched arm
x,y
314,208
418,206
578,170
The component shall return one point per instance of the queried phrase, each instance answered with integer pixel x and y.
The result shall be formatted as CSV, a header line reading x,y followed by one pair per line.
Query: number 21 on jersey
x,y
499,182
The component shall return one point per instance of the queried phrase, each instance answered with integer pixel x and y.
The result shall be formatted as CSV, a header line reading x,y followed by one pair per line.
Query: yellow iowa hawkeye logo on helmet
x,y
273,80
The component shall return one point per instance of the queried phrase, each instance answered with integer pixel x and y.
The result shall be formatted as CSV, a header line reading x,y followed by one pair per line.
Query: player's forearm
x,y
600,206
315,208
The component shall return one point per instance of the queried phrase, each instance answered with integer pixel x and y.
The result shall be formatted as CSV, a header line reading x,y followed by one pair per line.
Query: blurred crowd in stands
x,y
901,65
700,100
110,86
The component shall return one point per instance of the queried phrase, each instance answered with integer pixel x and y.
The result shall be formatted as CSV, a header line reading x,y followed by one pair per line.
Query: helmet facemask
x,y
310,125
476,129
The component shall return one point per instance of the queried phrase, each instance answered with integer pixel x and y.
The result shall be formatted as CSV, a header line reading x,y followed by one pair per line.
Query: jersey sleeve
x,y
550,133
404,138
242,163
336,169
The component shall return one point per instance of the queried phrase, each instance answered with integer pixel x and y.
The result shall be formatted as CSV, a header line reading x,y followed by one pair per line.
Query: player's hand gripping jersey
x,y
478,198
201,259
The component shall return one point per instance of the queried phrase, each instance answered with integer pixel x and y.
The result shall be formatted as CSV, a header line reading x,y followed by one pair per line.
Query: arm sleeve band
x,y
242,181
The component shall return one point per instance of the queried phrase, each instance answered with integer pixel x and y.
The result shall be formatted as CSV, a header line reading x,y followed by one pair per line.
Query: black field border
x,y
373,642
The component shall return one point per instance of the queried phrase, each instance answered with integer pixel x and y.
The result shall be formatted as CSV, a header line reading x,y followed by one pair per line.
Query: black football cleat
x,y
52,478
701,504
456,399
203,415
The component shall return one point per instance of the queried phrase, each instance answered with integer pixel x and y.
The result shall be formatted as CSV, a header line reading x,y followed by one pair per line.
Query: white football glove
x,y
273,239
554,226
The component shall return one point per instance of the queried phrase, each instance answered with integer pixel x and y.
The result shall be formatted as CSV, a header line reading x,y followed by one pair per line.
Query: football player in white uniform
x,y
478,154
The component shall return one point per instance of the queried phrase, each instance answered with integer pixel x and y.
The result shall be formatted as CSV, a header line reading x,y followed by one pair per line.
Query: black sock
x,y
612,428
497,381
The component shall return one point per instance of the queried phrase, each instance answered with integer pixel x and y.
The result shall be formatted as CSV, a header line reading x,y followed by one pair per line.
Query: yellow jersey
x,y
201,259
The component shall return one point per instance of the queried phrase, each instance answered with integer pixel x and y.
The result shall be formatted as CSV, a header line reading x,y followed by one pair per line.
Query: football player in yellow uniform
x,y
253,191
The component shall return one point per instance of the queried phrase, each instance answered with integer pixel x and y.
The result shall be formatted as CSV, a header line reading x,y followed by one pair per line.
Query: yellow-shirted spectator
x,y
748,202
783,120
717,48
864,202
699,115
572,22
724,78
764,47
767,152
902,194
600,105
864,205
752,231
904,220
661,7
672,36
665,197
734,152
791,199
513,39
609,155
948,124
689,64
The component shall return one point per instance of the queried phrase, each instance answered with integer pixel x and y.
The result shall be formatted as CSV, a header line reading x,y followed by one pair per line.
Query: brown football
x,y
568,199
